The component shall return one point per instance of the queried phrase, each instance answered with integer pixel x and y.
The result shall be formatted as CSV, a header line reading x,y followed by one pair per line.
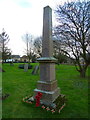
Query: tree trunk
x,y
83,73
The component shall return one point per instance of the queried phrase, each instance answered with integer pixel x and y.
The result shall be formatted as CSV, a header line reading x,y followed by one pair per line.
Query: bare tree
x,y
73,31
38,46
5,51
58,53
28,39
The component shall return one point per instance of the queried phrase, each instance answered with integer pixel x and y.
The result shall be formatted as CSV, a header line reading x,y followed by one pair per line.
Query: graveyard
x,y
18,84
44,89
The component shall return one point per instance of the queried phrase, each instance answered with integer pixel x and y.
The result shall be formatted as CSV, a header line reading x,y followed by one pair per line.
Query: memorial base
x,y
48,96
55,106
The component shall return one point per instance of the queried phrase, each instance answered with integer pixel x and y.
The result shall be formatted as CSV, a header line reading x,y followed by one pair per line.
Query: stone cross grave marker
x,y
47,84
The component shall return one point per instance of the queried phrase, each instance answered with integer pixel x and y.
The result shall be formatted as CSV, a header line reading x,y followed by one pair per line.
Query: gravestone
x,y
25,67
47,84
35,70
1,70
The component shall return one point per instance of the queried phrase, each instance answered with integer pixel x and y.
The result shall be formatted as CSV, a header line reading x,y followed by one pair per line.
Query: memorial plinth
x,y
48,83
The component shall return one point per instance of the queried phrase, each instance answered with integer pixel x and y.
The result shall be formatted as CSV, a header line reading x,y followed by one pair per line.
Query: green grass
x,y
19,84
0,91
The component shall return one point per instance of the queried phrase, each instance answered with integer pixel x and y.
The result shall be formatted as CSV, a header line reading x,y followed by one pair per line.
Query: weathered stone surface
x,y
25,67
47,71
48,96
47,84
35,70
47,60
47,44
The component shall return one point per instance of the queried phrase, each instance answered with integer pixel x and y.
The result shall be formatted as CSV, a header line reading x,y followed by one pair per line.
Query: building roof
x,y
15,56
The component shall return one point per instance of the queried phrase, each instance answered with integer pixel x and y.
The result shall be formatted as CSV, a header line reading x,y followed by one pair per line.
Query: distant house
x,y
15,57
24,58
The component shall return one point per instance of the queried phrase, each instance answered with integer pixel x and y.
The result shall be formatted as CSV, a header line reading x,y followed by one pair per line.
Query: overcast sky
x,y
20,16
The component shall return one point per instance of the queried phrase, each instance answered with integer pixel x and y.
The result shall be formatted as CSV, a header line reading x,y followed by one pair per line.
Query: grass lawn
x,y
0,91
19,84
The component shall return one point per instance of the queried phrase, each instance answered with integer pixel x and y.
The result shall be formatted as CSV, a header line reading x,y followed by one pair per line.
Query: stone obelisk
x,y
48,83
